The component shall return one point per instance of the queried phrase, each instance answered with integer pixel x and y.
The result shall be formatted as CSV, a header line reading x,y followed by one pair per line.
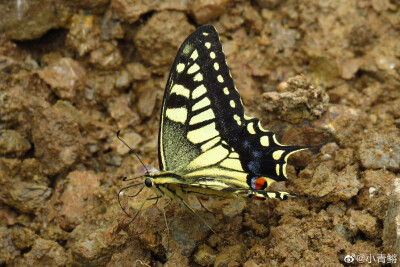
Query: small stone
x,y
360,35
11,142
132,255
123,80
45,252
345,124
147,98
267,14
381,150
282,86
180,225
77,198
121,111
342,185
230,256
222,260
205,256
386,62
84,34
208,10
251,263
129,10
106,57
111,28
112,159
28,197
138,71
235,208
382,5
289,208
8,252
101,85
160,37
376,194
65,77
300,101
56,137
176,259
350,67
363,222
94,243
214,240
31,19
31,169
132,10
23,237
336,94
253,18
344,157
53,231
329,148
342,230
324,69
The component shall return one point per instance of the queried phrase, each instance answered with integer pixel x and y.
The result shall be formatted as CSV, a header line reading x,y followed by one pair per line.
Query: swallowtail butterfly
x,y
207,145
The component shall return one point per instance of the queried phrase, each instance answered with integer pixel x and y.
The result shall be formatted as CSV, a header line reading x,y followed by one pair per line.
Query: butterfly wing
x,y
204,131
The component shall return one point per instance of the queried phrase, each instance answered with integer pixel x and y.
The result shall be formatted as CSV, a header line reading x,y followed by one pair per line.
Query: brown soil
x,y
319,73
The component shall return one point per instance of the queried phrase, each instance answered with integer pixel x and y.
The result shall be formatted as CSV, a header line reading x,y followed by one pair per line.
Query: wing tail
x,y
264,194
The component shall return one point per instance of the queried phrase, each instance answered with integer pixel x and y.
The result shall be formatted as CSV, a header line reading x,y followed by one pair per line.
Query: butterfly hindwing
x,y
204,132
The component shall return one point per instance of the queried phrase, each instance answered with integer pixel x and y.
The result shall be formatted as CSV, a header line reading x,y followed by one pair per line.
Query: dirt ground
x,y
316,72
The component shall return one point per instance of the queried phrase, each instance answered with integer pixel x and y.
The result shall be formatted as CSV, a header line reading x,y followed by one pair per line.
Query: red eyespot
x,y
260,183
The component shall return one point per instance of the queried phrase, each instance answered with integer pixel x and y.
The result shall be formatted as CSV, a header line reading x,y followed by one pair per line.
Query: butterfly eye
x,y
148,182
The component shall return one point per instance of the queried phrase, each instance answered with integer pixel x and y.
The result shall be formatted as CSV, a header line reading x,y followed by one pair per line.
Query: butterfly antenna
x,y
125,179
131,150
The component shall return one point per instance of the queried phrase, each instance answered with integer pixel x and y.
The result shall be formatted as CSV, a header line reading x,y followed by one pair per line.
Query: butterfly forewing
x,y
204,132
193,119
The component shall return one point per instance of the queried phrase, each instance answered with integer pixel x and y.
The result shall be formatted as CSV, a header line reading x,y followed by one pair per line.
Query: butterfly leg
x,y
201,204
201,218
155,203
166,222
141,207
181,196
164,213
192,210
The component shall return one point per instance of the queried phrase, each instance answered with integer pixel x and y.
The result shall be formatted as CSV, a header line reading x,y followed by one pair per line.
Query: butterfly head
x,y
148,182
150,176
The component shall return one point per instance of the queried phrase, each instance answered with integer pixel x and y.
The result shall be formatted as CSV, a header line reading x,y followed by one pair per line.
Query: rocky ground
x,y
321,73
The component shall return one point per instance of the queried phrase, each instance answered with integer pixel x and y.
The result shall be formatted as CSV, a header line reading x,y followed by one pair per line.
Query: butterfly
x,y
207,145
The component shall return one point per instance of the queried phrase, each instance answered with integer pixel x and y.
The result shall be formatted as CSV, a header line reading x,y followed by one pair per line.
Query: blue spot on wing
x,y
257,154
254,166
246,144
